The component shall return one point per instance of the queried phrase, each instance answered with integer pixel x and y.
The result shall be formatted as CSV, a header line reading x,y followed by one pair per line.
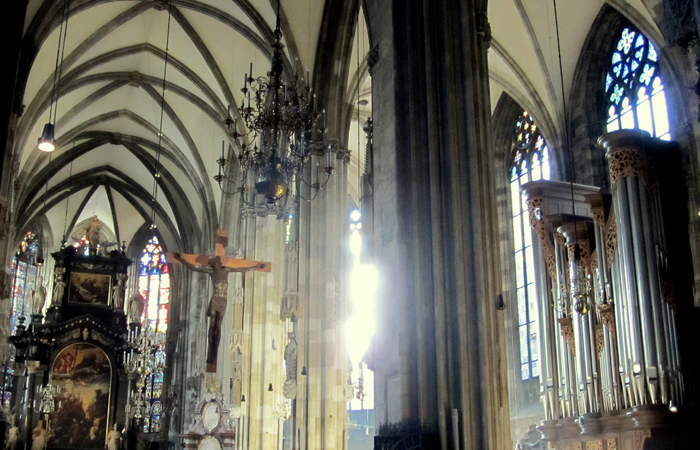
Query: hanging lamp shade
x,y
46,141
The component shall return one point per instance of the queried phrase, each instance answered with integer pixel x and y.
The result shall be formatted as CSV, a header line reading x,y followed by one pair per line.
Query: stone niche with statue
x,y
73,356
211,427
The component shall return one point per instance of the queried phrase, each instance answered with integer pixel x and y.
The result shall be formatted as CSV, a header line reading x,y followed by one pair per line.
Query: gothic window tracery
x,y
530,162
633,87
24,267
154,287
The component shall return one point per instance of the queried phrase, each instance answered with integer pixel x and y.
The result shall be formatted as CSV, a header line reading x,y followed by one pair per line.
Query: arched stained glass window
x,y
633,87
24,267
530,163
154,287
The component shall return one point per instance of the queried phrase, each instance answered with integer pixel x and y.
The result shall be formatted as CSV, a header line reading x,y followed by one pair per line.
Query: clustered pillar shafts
x,y
608,332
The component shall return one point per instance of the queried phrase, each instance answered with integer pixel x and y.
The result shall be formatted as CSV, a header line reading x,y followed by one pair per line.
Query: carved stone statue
x,y
532,440
114,439
92,231
58,286
236,377
290,359
289,306
135,308
12,436
39,437
118,292
39,299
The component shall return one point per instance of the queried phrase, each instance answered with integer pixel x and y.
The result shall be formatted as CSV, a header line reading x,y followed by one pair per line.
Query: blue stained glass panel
x,y
154,285
652,53
641,68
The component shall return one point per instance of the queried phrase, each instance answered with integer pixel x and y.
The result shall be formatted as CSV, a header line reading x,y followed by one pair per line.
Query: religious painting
x,y
83,373
90,288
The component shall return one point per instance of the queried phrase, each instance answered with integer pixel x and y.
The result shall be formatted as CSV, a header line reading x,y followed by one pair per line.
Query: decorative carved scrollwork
x,y
483,28
594,445
607,316
584,252
599,340
567,333
626,162
611,241
534,207
598,215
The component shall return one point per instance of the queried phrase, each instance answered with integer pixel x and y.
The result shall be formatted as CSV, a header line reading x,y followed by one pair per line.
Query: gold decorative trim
x,y
567,333
534,208
599,341
594,445
607,316
584,252
611,241
598,215
611,444
639,437
624,163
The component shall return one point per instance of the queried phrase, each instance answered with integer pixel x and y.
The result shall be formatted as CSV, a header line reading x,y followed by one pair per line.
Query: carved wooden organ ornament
x,y
608,338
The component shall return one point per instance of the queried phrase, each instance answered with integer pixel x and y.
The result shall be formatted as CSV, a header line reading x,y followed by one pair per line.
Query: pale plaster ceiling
x,y
109,103
523,58
109,107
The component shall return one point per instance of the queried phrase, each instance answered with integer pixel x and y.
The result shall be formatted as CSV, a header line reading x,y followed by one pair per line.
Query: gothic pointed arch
x,y
519,147
594,82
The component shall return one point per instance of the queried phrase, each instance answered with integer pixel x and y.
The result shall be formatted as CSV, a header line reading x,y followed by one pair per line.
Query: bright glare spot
x,y
360,326
355,244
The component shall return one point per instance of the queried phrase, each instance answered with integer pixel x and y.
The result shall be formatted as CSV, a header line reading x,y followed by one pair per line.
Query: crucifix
x,y
218,268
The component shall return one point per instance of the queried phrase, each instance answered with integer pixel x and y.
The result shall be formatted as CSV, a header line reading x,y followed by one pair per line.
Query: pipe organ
x,y
609,350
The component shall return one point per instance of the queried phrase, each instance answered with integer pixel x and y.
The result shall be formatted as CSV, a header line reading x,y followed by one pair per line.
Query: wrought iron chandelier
x,y
283,134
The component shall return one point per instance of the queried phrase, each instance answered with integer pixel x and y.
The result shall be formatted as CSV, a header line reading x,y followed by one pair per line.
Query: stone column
x,y
321,418
264,338
439,344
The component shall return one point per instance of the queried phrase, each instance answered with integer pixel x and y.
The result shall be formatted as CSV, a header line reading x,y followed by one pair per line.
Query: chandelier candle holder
x,y
282,119
48,398
586,360
144,358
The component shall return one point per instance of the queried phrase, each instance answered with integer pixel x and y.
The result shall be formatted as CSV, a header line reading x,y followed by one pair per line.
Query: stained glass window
x,y
24,267
154,287
633,87
530,163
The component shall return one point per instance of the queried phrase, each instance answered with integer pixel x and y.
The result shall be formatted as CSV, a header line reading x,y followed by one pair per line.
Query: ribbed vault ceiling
x,y
523,58
109,107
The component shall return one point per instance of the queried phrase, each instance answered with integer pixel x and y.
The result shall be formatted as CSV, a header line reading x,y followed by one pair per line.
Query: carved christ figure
x,y
218,268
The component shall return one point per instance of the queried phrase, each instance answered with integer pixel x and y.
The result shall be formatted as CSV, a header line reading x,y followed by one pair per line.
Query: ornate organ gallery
x,y
609,277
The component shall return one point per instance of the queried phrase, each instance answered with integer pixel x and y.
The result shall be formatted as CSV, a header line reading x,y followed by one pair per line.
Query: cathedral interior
x,y
350,225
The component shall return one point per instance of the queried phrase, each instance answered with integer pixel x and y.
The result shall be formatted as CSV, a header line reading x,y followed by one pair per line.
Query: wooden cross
x,y
218,268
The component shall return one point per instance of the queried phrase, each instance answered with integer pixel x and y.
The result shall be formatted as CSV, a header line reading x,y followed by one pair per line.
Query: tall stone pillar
x,y
439,347
261,347
321,418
